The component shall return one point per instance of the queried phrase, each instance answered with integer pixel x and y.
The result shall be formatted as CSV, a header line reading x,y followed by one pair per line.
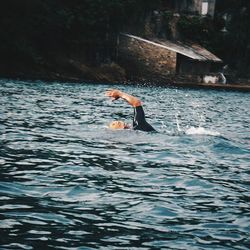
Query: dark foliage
x,y
34,31
39,34
236,41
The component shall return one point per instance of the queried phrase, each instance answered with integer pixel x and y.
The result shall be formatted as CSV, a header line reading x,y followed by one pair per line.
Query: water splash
x,y
177,123
201,131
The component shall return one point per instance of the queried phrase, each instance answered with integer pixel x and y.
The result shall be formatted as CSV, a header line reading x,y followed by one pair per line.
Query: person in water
x,y
139,121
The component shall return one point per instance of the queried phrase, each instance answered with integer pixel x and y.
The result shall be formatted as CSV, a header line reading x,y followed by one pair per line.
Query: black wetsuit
x,y
139,122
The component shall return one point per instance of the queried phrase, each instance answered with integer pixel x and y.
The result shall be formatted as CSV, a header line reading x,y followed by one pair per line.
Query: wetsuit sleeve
x,y
139,122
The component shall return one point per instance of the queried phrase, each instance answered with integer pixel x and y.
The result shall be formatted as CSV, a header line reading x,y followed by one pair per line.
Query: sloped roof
x,y
193,51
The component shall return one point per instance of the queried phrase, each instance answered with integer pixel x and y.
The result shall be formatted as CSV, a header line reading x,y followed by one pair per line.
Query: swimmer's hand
x,y
115,94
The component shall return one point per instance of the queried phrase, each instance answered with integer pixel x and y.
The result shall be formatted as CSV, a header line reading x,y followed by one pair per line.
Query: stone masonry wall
x,y
144,61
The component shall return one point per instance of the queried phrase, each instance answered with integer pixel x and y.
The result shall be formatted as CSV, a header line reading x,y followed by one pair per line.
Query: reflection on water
x,y
68,182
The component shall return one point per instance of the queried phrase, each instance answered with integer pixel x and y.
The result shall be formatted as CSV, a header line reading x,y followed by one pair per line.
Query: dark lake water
x,y
68,182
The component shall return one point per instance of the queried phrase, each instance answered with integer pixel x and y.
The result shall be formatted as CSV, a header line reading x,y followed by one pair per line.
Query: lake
x,y
69,182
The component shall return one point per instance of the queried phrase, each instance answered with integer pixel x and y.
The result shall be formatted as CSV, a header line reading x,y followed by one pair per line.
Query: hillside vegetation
x,y
68,39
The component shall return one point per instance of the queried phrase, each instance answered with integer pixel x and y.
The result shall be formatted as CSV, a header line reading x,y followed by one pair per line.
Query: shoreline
x,y
216,86
66,79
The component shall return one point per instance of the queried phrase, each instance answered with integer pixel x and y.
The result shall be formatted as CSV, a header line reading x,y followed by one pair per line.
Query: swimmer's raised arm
x,y
139,121
116,94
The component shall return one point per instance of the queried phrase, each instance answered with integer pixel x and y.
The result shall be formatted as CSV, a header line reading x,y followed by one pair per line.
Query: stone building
x,y
200,7
160,60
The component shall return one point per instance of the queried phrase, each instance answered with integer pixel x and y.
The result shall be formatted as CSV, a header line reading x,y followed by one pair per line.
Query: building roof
x,y
193,51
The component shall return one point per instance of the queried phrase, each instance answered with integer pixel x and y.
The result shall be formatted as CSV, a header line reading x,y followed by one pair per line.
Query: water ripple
x,y
68,182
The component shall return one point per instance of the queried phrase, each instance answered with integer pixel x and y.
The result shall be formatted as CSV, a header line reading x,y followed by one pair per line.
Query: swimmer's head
x,y
118,125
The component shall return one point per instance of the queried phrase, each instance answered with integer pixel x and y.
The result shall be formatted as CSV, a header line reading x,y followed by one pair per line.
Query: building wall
x,y
197,6
211,7
145,61
186,66
192,6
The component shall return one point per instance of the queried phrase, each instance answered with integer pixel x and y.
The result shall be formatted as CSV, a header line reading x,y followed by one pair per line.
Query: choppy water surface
x,y
68,182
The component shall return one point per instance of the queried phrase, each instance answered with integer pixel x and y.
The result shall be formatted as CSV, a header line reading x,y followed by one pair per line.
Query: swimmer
x,y
139,121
